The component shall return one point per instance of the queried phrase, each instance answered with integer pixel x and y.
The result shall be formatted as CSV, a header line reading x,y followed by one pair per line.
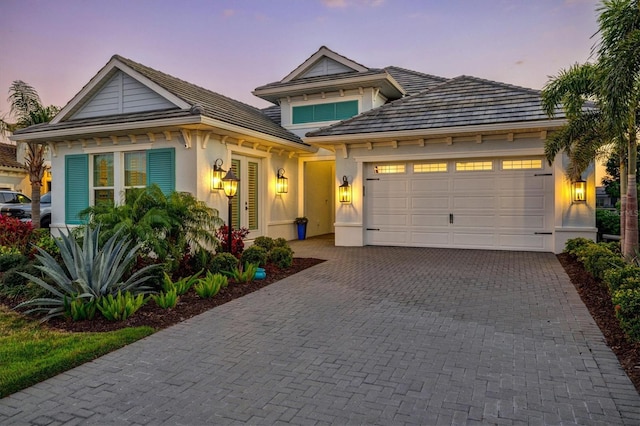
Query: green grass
x,y
31,353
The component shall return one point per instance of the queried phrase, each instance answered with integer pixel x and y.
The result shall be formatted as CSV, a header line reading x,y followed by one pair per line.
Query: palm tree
x,y
28,110
609,121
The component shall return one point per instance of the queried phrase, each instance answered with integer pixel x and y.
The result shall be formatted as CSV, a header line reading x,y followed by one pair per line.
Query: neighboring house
x,y
13,174
428,161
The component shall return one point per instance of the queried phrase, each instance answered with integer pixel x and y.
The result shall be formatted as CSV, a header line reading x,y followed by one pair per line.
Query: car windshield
x,y
46,198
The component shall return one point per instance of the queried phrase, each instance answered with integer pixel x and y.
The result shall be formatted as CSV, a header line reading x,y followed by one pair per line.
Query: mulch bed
x,y
596,298
188,306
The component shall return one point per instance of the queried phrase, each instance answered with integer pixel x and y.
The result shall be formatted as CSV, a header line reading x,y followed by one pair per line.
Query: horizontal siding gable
x,y
122,94
326,66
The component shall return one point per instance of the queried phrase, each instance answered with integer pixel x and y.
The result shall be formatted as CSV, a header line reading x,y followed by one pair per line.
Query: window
x,y
135,170
521,164
472,166
324,112
103,179
430,168
389,169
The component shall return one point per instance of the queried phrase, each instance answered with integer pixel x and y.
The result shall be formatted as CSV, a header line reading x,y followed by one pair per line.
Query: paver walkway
x,y
375,335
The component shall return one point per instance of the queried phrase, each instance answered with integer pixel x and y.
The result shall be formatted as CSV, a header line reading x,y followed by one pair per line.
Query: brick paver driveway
x,y
374,335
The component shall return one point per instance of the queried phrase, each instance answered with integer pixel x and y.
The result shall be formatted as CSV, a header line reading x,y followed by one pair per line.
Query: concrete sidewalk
x,y
375,335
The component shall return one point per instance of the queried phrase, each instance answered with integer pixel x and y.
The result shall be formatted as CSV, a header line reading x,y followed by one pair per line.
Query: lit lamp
x,y
216,175
230,186
579,189
282,183
344,191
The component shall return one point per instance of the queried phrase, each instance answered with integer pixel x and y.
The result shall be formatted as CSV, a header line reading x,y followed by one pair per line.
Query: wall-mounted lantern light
x,y
579,191
230,186
344,191
216,175
282,183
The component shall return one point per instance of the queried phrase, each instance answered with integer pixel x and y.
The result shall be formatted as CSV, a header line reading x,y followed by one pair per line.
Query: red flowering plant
x,y
14,233
237,237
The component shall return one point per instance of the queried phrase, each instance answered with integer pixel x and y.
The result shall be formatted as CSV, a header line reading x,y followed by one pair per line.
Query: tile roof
x,y
274,112
333,78
8,157
462,101
413,81
214,106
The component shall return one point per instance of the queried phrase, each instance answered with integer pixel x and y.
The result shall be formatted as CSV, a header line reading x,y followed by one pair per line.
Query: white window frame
x,y
328,100
118,174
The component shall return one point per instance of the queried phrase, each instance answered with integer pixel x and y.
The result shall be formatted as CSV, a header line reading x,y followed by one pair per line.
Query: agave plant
x,y
89,272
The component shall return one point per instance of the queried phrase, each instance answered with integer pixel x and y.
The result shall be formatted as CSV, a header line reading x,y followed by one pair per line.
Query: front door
x,y
245,213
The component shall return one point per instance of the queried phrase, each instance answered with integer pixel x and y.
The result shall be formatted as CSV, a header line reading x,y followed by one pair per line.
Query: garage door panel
x,y
424,184
523,241
473,183
390,219
521,183
475,221
474,203
430,203
534,222
388,237
441,219
521,202
430,239
390,203
392,186
472,239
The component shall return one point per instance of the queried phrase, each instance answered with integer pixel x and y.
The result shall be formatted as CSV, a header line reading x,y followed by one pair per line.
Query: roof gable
x,y
122,94
8,157
324,62
462,101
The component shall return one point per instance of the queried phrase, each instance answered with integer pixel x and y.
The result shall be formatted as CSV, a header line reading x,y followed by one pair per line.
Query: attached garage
x,y
489,203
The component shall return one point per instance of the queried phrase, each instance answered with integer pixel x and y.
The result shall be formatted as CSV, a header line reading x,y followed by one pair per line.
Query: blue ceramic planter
x,y
261,274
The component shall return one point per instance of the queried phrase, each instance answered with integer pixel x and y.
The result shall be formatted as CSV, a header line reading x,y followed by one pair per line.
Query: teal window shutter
x,y
303,114
346,110
76,179
161,169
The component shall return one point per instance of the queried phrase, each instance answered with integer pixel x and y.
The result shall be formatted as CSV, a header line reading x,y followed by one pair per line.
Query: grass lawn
x,y
31,353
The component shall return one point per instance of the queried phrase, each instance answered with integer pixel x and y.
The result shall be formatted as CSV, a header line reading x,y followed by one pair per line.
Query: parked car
x,y
22,210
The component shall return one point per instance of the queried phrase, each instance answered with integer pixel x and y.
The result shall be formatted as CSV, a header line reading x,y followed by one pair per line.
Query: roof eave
x,y
436,132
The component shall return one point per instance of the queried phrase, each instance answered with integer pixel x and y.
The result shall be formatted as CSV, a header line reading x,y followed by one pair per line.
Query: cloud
x,y
520,62
342,4
228,13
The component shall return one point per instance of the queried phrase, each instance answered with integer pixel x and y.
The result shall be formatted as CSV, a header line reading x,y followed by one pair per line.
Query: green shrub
x,y
282,257
242,274
167,299
621,278
14,284
256,255
79,309
43,239
608,221
182,285
201,260
627,307
266,243
9,261
574,245
223,262
9,250
280,242
210,285
120,307
598,258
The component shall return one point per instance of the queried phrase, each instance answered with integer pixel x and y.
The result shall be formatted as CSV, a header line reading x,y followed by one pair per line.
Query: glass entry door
x,y
245,211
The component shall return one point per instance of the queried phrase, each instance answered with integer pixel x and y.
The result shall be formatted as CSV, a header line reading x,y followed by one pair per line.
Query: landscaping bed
x,y
597,299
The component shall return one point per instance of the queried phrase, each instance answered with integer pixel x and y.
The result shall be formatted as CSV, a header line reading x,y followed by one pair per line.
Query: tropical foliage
x,y
28,110
601,101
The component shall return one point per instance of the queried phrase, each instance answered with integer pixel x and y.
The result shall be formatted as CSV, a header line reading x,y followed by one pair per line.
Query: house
x,y
380,156
13,174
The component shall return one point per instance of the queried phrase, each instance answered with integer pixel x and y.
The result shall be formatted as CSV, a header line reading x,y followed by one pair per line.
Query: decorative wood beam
x,y
323,95
151,136
345,152
240,142
280,152
53,148
269,148
70,144
256,145
223,140
341,93
375,92
98,141
291,154
543,135
361,90
394,144
449,140
186,135
478,138
288,99
83,143
114,139
205,139
167,135
369,146
304,97
133,138
421,142
509,137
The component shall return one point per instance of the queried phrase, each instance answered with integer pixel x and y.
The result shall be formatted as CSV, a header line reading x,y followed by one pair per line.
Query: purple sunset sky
x,y
231,47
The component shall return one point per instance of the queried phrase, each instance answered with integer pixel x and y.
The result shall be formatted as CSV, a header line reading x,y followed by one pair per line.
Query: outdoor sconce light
x,y
282,183
216,175
230,186
579,190
344,191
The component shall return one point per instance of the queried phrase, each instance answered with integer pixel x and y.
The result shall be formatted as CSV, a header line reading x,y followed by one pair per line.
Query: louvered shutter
x,y
76,178
161,169
252,194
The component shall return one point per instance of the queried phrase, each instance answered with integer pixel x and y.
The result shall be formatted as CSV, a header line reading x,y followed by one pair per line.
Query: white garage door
x,y
504,204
